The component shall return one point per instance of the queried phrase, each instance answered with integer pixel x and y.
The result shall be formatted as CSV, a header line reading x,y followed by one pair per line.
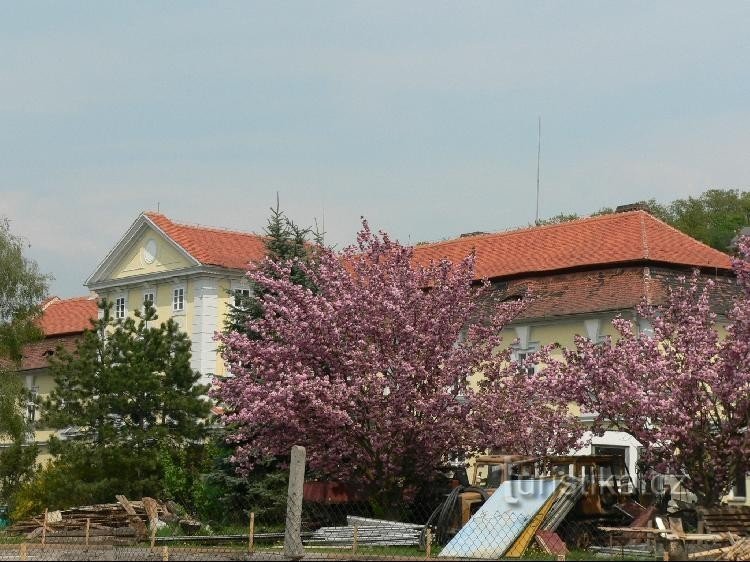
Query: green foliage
x,y
715,217
284,241
22,288
223,497
557,219
17,458
125,395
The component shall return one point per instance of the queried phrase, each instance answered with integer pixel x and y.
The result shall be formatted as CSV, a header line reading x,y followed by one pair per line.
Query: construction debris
x,y
367,532
734,519
124,519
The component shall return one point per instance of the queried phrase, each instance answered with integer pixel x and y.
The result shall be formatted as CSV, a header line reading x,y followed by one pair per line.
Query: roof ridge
x,y
198,226
533,227
677,230
644,237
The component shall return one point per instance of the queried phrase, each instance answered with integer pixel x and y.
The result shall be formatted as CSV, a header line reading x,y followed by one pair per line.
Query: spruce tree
x,y
284,240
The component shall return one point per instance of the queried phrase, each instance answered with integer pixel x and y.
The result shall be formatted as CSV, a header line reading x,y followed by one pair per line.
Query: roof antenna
x,y
538,159
157,206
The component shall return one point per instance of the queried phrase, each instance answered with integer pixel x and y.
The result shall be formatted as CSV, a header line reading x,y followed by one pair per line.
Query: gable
x,y
144,249
148,252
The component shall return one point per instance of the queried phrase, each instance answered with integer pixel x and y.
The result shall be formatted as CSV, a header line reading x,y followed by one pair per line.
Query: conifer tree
x,y
125,395
285,241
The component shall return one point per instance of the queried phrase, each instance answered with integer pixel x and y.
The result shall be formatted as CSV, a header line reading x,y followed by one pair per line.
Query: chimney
x,y
640,206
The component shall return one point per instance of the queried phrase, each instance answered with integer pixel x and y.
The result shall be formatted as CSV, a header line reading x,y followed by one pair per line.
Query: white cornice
x,y
181,274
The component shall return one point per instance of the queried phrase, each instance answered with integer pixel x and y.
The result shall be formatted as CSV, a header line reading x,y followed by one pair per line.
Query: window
x,y
616,473
31,405
120,307
521,354
178,300
739,490
150,298
241,296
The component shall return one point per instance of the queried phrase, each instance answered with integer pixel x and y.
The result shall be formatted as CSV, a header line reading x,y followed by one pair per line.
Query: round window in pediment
x,y
149,251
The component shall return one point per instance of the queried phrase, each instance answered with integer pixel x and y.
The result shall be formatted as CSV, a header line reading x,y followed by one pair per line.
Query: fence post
x,y
293,532
251,532
44,528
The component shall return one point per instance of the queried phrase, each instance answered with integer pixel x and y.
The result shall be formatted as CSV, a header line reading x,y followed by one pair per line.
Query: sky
x,y
420,116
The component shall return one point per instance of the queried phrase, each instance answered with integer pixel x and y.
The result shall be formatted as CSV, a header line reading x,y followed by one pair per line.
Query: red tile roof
x,y
602,290
36,354
67,316
620,238
213,246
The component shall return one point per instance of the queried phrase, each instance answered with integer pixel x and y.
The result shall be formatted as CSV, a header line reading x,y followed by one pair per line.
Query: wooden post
x,y
165,553
44,528
153,537
428,541
292,535
23,554
88,527
354,540
251,532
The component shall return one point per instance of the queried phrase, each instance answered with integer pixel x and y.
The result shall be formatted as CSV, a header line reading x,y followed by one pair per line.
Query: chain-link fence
x,y
531,518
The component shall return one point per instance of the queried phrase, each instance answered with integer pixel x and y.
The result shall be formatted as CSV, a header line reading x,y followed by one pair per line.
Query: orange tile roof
x,y
36,355
619,238
67,316
213,246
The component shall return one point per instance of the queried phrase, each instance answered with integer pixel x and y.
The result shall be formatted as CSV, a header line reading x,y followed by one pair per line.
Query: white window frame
x,y
520,353
151,292
121,314
175,291
243,291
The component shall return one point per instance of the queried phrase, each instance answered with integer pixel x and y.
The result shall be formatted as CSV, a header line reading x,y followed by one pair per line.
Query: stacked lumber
x,y
121,519
725,519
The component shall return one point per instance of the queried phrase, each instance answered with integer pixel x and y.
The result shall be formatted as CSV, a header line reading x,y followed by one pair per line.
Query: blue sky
x,y
419,115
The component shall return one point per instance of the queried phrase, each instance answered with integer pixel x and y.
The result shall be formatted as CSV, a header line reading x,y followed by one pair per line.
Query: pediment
x,y
144,249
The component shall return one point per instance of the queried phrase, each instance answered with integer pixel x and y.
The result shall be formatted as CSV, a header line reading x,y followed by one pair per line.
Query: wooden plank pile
x,y
725,519
124,519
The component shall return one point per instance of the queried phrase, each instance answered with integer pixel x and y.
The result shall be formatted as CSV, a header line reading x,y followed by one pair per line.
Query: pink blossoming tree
x,y
683,391
369,372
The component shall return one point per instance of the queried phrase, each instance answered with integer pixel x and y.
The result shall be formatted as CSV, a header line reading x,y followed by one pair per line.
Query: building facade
x,y
580,275
190,273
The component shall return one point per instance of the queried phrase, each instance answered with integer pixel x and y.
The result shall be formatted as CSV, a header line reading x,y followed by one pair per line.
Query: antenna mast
x,y
538,159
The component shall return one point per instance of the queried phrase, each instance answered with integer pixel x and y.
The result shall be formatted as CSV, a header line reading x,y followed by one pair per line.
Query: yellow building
x,y
62,322
580,275
190,273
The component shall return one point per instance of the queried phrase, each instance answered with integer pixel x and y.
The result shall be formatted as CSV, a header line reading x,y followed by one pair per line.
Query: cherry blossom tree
x,y
683,391
371,371
522,413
